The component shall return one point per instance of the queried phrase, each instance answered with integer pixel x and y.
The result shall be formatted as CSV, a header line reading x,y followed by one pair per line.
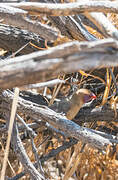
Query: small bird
x,y
71,106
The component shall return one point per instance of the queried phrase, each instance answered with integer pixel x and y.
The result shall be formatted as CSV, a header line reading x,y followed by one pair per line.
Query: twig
x,y
43,84
35,151
114,80
29,129
13,112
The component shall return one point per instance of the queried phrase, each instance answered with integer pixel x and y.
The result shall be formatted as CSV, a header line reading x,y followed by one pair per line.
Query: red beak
x,y
93,96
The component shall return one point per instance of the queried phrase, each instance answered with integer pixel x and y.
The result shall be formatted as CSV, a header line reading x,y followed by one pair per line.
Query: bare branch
x,y
18,38
43,84
102,22
11,10
21,70
68,127
24,22
105,113
66,9
22,155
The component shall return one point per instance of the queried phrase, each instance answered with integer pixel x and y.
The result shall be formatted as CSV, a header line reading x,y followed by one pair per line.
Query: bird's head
x,y
77,100
82,96
86,95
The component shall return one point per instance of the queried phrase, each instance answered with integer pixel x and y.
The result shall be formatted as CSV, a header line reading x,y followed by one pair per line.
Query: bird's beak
x,y
93,96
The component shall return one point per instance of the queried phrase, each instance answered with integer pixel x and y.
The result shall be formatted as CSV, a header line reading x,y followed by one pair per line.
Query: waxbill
x,y
71,106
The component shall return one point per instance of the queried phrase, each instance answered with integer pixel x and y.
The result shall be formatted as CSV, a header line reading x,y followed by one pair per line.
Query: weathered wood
x,y
58,121
71,28
11,10
103,23
18,20
40,65
105,113
22,155
12,39
66,9
74,29
88,22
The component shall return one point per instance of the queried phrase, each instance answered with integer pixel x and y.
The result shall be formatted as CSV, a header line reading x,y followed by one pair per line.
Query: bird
x,y
71,106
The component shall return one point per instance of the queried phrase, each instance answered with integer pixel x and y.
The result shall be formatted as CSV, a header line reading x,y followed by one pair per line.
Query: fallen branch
x,y
22,155
103,24
18,38
65,9
68,127
75,56
18,20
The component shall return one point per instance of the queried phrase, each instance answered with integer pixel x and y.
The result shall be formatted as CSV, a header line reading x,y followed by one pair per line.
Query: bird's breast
x,y
73,110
